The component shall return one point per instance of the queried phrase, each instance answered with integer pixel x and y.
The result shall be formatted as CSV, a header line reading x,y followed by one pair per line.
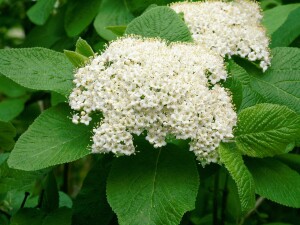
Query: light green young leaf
x,y
267,130
161,22
41,10
37,68
275,181
111,13
90,206
79,15
156,186
117,30
7,134
234,163
52,139
75,58
83,48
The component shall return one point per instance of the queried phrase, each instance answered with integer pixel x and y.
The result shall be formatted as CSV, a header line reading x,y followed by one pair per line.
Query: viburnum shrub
x,y
184,95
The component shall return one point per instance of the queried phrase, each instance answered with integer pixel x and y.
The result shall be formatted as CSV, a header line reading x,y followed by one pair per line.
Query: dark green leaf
x,y
267,130
111,13
52,139
161,22
61,216
90,206
50,197
275,181
41,10
11,108
234,163
10,88
7,134
156,186
28,216
292,160
37,68
138,6
79,15
117,30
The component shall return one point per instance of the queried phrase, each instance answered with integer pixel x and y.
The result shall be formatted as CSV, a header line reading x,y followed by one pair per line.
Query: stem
x,y
224,200
258,202
24,200
215,200
39,205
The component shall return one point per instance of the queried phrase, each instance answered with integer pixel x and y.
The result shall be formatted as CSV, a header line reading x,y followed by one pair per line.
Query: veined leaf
x,y
79,15
160,21
41,10
75,58
37,68
156,186
267,130
83,48
234,163
111,13
52,139
275,181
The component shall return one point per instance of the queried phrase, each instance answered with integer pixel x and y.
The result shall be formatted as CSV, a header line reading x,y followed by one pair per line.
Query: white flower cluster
x,y
228,28
146,85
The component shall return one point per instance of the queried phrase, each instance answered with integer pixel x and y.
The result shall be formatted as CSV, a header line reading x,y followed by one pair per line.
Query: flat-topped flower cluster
x,y
147,85
228,28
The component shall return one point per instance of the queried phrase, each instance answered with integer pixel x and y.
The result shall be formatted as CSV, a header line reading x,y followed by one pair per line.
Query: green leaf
x,y
10,108
11,179
10,88
161,22
291,159
272,21
288,31
234,163
90,206
75,58
65,200
83,48
117,30
250,97
52,139
275,181
7,134
267,130
50,197
280,84
111,13
138,6
79,15
61,216
28,216
40,12
156,186
37,68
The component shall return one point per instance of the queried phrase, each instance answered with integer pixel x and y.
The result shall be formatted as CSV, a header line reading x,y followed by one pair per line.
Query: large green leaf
x,y
37,68
291,159
111,13
7,134
40,12
275,181
272,21
280,84
160,21
90,206
156,186
79,15
267,130
234,163
52,139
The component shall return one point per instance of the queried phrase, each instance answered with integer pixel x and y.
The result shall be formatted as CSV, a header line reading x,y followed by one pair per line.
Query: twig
x,y
24,200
